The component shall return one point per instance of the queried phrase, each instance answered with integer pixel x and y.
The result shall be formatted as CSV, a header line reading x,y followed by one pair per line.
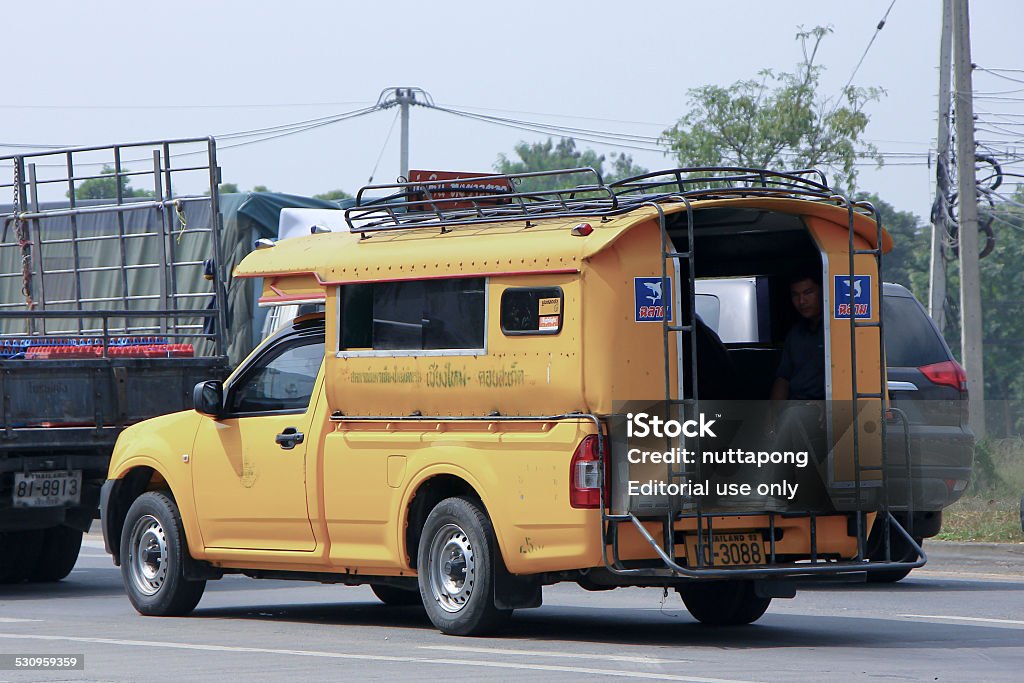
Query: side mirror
x,y
208,398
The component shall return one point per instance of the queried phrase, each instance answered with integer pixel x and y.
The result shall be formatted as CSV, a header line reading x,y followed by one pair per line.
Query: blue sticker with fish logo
x,y
652,299
860,285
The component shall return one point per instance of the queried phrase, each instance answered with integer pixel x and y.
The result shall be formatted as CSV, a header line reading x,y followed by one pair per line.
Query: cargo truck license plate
x,y
726,550
47,489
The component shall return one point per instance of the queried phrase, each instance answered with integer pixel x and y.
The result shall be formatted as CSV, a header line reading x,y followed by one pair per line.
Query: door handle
x,y
289,438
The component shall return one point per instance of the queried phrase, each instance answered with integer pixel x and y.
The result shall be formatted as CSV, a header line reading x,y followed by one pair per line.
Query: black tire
x,y
724,603
59,554
456,565
901,551
153,556
397,597
18,553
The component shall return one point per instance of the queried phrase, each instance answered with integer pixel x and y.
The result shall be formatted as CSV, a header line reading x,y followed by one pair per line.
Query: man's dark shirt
x,y
803,361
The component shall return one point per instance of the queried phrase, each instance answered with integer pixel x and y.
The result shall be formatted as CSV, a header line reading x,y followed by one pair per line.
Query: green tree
x,y
333,195
550,156
228,188
777,121
260,188
106,187
908,262
1002,300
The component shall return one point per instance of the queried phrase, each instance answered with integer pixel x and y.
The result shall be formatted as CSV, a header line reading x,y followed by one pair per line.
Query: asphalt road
x,y
961,618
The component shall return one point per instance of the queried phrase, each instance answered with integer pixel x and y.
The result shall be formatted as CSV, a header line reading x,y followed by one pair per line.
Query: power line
x,y
998,75
878,29
296,124
126,107
560,116
571,130
547,130
261,135
384,146
295,131
1019,71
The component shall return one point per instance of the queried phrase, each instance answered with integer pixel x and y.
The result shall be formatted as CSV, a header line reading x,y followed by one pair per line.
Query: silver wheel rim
x,y
148,559
452,568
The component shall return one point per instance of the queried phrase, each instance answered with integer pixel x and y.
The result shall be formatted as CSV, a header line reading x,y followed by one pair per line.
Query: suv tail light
x,y
585,475
948,373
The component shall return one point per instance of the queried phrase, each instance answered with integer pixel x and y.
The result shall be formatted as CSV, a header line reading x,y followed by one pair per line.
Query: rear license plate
x,y
47,489
726,550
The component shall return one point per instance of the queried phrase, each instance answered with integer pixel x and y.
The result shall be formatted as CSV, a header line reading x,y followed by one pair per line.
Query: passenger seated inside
x,y
798,393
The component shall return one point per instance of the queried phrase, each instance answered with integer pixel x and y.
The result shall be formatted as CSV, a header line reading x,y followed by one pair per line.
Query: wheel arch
x,y
431,489
132,481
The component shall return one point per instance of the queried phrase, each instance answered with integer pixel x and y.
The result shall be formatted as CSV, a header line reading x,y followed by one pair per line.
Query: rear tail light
x,y
585,475
956,485
948,373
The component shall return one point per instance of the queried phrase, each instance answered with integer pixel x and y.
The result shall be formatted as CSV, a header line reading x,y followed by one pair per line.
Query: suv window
x,y
282,380
910,337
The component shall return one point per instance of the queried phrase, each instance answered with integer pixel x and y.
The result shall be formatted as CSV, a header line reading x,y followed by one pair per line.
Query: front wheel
x,y
456,567
724,603
153,554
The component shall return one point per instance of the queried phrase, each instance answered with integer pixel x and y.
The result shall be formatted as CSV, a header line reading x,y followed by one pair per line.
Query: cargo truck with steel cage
x,y
107,318
449,430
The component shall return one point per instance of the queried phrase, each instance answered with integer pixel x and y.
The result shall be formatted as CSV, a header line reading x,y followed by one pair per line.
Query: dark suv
x,y
930,389
927,387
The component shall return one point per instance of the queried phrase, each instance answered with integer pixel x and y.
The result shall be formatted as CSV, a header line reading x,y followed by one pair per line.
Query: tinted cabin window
x,y
282,380
414,315
531,310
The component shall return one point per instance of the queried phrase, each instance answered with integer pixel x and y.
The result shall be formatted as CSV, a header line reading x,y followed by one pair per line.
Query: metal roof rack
x,y
427,203
709,182
439,203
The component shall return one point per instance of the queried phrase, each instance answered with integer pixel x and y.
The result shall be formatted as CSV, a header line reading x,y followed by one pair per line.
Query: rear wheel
x,y
396,597
18,553
456,565
900,552
723,603
59,554
153,555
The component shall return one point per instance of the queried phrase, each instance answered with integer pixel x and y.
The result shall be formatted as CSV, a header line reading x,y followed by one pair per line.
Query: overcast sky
x,y
103,72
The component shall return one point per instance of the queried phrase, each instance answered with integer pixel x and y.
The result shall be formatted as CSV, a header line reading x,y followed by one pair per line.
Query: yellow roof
x,y
487,248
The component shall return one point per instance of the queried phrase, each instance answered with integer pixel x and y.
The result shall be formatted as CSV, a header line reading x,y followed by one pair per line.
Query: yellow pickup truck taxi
x,y
448,430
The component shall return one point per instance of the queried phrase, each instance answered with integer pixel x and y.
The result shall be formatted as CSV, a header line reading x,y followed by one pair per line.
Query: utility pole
x,y
970,293
404,96
937,272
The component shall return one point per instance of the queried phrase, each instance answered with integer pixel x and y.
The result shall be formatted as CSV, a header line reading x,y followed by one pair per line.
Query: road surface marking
x,y
544,653
925,573
378,658
15,620
940,617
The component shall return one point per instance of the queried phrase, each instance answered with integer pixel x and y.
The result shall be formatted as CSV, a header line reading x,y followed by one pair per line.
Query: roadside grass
x,y
990,509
